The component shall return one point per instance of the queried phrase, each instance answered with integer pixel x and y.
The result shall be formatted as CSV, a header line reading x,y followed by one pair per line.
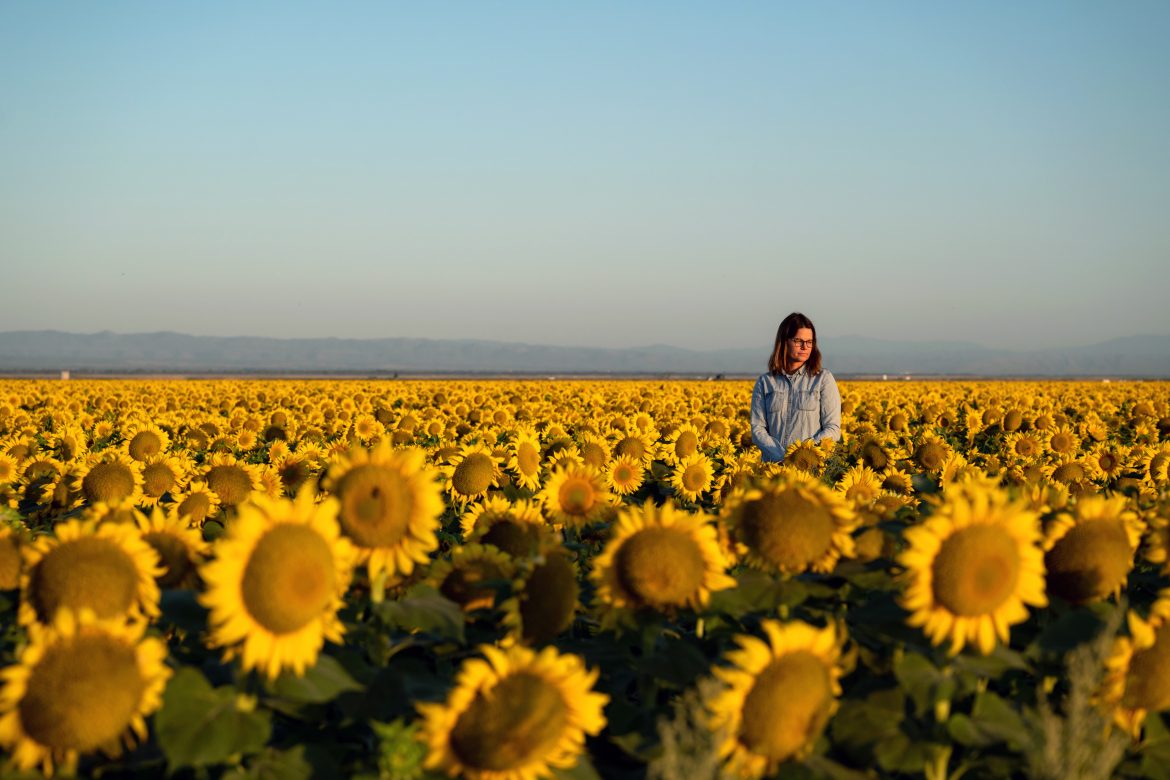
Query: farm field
x,y
507,580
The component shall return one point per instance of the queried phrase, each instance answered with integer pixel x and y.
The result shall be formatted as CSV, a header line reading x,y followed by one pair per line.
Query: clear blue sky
x,y
610,174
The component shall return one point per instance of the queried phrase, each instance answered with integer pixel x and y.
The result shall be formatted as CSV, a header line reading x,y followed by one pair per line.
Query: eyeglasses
x,y
801,343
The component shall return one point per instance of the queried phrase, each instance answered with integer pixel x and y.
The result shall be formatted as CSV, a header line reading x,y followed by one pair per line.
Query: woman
x,y
797,399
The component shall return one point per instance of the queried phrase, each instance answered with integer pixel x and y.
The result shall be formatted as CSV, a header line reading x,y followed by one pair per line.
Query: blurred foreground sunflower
x,y
79,686
778,695
515,714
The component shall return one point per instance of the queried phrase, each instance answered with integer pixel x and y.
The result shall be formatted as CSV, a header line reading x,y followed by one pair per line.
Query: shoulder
x,y
765,381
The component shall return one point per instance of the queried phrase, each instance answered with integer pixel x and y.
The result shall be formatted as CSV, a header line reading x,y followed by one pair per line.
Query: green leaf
x,y
424,609
1069,631
755,591
992,721
201,726
324,682
275,765
860,724
921,680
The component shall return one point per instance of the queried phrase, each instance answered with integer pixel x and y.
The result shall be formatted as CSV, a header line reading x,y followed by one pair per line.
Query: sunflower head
x,y
469,577
1089,554
575,495
791,524
777,696
971,567
661,559
546,598
80,685
514,714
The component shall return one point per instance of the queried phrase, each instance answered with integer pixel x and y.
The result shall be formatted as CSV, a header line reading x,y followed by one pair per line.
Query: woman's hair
x,y
787,330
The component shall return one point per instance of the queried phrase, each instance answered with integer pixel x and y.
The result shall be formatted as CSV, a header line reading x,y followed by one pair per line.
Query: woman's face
x,y
799,348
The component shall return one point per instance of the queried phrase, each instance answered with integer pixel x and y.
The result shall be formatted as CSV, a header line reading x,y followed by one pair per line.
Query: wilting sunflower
x,y
791,524
466,577
972,566
574,496
276,583
180,548
79,686
1089,554
777,695
625,474
514,528
107,568
389,507
545,597
525,459
1137,672
692,477
471,474
516,714
658,558
233,481
109,477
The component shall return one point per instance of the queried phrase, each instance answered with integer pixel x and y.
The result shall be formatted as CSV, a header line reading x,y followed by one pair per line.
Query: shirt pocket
x,y
808,401
776,401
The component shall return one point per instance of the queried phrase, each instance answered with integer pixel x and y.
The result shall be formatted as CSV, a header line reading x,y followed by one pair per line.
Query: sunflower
x,y
1088,554
635,444
594,450
78,686
791,524
461,577
874,454
525,459
1062,440
143,441
1137,672
516,714
574,496
233,481
625,474
897,481
196,502
972,566
471,474
1156,464
514,528
276,583
389,507
777,695
692,477
931,453
861,485
806,456
682,443
1108,460
180,548
292,469
110,477
105,567
162,475
9,469
658,558
545,598
1023,446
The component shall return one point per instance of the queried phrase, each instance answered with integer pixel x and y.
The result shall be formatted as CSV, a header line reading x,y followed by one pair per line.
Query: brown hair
x,y
787,330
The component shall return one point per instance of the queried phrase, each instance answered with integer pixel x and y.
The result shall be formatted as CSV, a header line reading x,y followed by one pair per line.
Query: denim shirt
x,y
787,408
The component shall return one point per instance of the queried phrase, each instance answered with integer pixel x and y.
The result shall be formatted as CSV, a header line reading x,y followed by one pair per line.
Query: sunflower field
x,y
507,580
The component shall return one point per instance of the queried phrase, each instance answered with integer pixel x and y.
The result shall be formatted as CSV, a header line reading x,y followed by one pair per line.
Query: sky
x,y
606,174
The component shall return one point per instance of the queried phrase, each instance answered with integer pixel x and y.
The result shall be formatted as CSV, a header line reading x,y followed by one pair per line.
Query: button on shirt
x,y
788,408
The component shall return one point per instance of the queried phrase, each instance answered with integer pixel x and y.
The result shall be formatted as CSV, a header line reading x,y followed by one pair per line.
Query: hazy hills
x,y
165,352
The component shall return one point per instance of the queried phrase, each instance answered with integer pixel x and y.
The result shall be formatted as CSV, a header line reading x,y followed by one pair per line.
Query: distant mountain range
x,y
165,352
